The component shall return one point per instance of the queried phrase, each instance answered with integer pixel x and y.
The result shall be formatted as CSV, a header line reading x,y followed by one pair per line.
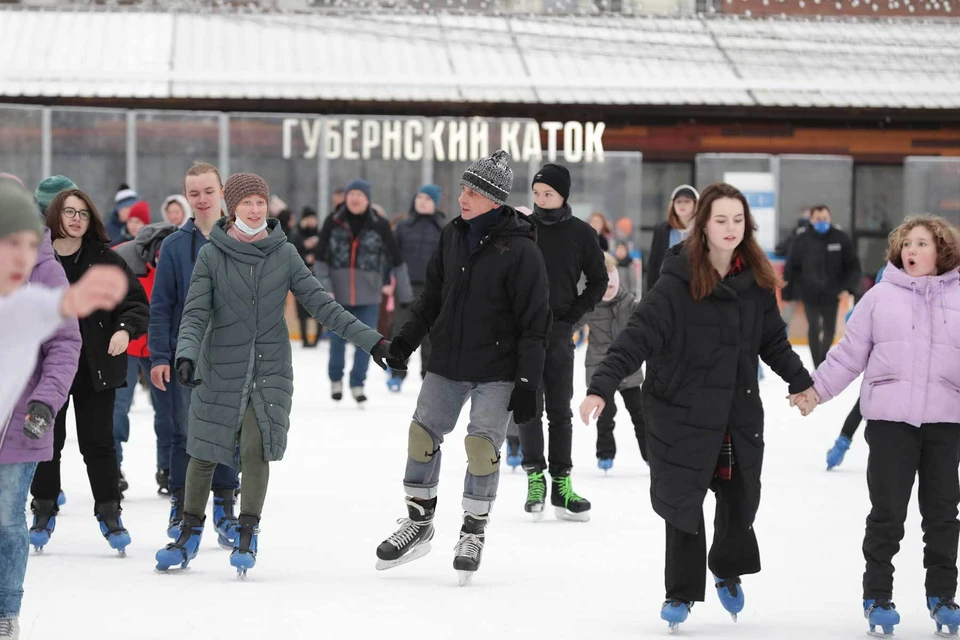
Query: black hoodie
x,y
487,313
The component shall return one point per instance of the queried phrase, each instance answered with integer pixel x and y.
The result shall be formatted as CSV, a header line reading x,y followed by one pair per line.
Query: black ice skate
x,y
359,396
412,539
568,505
536,493
336,390
469,548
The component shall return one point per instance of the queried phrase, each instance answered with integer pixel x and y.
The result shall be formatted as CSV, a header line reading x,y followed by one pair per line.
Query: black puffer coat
x,y
701,382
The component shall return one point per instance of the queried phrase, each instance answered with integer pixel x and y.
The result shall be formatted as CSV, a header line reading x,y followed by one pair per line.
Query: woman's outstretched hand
x,y
591,408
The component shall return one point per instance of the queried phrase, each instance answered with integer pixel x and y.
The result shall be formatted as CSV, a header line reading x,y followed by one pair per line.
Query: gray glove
x,y
39,419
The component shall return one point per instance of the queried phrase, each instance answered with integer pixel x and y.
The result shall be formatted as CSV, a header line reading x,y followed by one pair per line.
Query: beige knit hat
x,y
241,185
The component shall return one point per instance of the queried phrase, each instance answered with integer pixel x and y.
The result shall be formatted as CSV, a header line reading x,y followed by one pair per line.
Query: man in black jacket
x,y
570,249
824,268
417,238
485,305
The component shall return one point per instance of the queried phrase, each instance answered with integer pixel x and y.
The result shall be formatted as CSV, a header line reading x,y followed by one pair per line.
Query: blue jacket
x,y
178,255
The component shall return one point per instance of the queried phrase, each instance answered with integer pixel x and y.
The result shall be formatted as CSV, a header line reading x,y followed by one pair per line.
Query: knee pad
x,y
483,458
420,446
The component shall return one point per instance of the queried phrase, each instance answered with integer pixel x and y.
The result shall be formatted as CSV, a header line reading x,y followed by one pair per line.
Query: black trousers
x,y
400,316
555,395
94,414
734,551
606,444
852,423
898,453
821,326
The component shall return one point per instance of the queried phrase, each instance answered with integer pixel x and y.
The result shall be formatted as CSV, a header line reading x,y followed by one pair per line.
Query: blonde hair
x,y
610,261
945,237
198,169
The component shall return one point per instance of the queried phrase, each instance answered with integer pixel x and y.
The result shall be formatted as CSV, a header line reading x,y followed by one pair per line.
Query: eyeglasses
x,y
70,212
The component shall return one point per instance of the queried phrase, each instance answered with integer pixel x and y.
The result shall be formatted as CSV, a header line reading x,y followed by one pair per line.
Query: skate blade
x,y
241,573
416,553
734,616
465,577
884,633
536,515
563,514
673,627
172,569
950,633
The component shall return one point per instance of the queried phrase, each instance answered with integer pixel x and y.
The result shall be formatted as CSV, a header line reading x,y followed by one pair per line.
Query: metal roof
x,y
463,58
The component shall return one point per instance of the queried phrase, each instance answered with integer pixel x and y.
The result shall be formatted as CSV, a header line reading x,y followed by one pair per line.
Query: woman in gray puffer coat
x,y
606,321
234,349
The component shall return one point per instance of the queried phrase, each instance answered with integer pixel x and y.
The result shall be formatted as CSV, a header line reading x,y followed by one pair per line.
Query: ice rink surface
x,y
338,493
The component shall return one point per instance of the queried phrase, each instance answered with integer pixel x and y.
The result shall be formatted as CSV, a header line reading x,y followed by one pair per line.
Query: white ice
x,y
337,495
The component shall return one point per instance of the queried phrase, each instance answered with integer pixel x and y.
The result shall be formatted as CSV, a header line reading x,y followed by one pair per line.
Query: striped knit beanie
x,y
491,177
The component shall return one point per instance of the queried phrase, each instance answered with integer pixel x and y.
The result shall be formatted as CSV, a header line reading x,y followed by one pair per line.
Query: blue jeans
x,y
438,409
15,482
162,413
224,477
367,314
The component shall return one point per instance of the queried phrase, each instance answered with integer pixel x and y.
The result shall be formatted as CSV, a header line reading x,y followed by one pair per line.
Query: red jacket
x,y
138,348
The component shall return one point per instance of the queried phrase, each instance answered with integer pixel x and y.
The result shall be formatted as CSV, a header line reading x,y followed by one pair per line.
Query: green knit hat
x,y
49,188
17,210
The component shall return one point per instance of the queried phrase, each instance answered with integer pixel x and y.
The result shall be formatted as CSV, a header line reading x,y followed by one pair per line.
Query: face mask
x,y
250,231
821,227
613,285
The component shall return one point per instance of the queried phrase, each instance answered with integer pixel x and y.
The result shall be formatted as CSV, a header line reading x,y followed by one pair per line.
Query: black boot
x,y
412,539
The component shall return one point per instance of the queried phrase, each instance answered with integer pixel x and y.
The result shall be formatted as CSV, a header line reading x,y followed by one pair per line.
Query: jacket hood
x,y
179,199
45,251
615,300
923,285
248,252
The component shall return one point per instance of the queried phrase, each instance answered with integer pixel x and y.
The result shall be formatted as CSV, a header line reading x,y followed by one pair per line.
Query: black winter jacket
x,y
132,314
488,314
570,249
701,382
821,265
417,238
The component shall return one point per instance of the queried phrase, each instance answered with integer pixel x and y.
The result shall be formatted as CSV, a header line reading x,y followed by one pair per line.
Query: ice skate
x,y
336,390
568,505
185,548
111,526
731,595
359,396
945,613
176,514
605,464
412,539
837,452
514,453
536,494
61,499
163,481
244,554
881,613
44,522
223,519
394,382
469,549
675,612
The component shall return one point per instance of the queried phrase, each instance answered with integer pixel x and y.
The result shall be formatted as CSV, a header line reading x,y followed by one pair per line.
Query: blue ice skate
x,y
837,451
605,464
111,526
244,554
44,522
176,514
185,548
61,499
881,613
945,613
514,454
675,611
731,595
223,518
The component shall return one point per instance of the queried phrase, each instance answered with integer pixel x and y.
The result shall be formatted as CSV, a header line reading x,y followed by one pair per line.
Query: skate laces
x,y
6,628
536,487
405,534
469,545
566,490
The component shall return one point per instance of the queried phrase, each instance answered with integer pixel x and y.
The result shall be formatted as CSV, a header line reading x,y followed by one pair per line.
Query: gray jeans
x,y
438,409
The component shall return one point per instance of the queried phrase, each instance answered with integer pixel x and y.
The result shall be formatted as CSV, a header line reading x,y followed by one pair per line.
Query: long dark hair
x,y
54,220
703,277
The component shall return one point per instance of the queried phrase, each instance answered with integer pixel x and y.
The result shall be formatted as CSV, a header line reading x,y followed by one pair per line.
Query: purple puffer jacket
x,y
53,376
905,338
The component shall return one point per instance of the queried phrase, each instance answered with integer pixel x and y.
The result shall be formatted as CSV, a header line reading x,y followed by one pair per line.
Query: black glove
x,y
400,352
380,353
185,369
38,421
523,403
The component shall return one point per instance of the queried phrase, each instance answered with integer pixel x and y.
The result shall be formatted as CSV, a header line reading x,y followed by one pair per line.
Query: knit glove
x,y
523,403
38,421
185,370
400,352
381,354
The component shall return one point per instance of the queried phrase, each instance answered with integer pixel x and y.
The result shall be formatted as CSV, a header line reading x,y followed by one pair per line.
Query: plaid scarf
x,y
725,461
735,268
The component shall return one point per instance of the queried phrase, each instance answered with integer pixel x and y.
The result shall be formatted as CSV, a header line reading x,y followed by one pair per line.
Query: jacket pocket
x,y
879,382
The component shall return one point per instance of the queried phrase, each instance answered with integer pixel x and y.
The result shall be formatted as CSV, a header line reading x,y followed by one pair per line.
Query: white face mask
x,y
250,231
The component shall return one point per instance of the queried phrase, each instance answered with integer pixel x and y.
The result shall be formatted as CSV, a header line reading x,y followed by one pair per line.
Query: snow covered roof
x,y
449,58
